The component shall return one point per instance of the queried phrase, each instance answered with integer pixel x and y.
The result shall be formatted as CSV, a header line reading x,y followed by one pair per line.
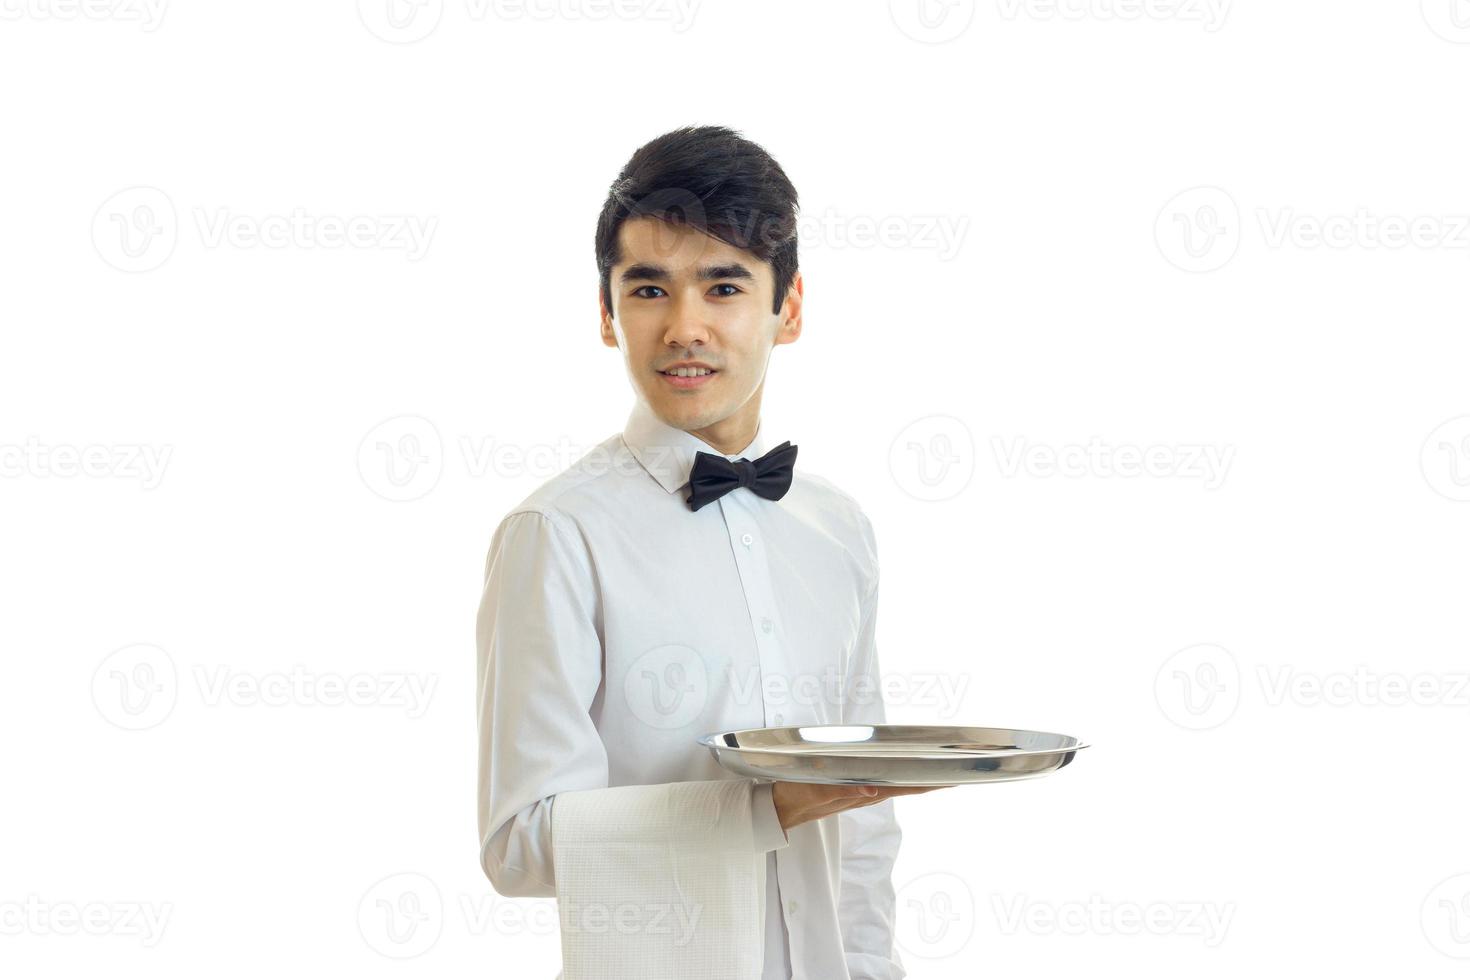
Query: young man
x,y
683,578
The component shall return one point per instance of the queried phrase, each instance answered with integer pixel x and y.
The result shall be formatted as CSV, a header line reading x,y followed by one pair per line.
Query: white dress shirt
x,y
617,626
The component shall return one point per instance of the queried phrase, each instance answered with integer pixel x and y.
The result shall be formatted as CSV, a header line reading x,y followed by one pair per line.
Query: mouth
x,y
689,377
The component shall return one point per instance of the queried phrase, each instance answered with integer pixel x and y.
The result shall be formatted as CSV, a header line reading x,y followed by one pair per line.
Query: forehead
x,y
678,248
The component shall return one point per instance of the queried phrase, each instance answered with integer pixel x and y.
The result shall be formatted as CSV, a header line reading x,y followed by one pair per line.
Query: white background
x,y
1229,231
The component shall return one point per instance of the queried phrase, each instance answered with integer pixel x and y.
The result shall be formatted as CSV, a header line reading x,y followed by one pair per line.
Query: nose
x,y
686,324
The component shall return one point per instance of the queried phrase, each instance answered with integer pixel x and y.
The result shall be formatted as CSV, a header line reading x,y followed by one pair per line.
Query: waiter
x,y
685,577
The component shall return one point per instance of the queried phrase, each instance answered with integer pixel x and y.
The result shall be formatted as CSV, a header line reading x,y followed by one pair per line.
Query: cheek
x,y
745,328
633,332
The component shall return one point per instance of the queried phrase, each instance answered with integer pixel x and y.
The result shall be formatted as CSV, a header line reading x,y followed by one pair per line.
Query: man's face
x,y
681,295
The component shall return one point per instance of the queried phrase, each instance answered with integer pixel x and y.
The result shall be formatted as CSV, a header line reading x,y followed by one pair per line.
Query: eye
x,y
725,285
639,292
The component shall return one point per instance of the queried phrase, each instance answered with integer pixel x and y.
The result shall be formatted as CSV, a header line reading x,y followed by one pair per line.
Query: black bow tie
x,y
714,476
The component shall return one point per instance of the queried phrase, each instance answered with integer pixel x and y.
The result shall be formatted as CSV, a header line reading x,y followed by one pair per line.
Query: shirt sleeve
x,y
870,835
539,637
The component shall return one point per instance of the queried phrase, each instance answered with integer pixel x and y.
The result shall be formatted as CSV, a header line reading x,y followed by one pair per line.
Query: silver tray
x,y
891,755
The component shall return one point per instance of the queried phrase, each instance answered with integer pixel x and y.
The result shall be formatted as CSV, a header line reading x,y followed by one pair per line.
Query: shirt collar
x,y
667,453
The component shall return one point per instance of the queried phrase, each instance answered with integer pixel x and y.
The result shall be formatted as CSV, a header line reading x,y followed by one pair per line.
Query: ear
x,y
609,336
790,327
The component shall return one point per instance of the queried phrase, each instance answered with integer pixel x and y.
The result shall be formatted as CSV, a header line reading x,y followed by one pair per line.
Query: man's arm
x,y
539,667
540,661
870,835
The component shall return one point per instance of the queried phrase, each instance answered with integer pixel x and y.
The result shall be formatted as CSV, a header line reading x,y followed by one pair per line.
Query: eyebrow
x,y
657,273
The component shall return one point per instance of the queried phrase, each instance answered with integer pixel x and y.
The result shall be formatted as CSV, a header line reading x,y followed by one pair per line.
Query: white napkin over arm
x,y
665,880
549,824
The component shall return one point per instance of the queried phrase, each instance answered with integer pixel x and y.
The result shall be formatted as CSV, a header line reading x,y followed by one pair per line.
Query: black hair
x,y
713,179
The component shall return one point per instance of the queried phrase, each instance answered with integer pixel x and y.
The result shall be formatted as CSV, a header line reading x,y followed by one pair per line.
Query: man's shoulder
x,y
820,486
836,512
558,499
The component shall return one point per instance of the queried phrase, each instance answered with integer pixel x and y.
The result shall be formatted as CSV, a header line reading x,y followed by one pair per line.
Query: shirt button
x,y
779,719
791,906
746,539
766,625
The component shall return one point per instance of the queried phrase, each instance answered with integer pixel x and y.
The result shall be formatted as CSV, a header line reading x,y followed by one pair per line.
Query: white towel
x,y
659,882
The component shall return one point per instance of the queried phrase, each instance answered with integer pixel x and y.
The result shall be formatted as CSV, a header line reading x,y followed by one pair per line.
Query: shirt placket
x,y
752,562
760,604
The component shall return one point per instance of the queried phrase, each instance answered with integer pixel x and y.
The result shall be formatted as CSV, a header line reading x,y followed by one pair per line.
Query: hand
x,y
797,803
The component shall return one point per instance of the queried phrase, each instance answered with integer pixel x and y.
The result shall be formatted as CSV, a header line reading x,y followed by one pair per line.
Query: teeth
x,y
689,372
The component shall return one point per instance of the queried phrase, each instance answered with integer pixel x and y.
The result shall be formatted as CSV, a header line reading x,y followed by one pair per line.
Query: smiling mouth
x,y
688,378
688,372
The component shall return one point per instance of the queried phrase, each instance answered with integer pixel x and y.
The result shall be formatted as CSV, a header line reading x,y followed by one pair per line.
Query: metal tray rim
x,y
714,740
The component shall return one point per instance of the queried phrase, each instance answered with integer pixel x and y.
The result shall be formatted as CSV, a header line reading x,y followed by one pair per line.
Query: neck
x,y
733,432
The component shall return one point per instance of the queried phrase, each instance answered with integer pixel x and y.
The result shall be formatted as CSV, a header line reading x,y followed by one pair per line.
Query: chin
x,y
686,412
